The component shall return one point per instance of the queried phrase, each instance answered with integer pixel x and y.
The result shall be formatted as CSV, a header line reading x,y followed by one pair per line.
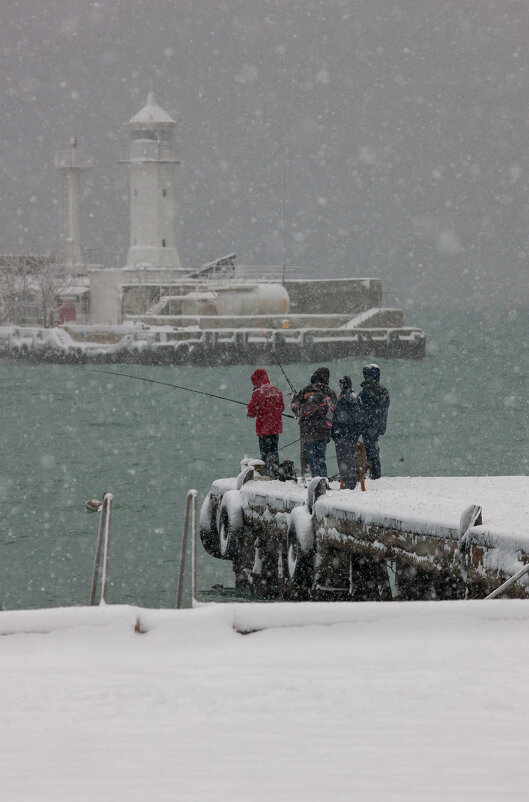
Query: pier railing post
x,y
191,503
102,535
518,575
194,550
106,548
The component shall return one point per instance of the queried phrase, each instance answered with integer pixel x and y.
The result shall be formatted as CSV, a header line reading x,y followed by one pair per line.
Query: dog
x,y
361,464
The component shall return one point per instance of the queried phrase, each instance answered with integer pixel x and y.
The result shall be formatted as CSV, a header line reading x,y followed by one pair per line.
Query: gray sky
x,y
403,125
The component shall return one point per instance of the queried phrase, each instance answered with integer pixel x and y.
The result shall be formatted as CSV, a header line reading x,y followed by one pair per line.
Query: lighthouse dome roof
x,y
151,114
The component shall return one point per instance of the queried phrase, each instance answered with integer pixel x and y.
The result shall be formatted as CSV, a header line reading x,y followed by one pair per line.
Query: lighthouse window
x,y
142,135
163,243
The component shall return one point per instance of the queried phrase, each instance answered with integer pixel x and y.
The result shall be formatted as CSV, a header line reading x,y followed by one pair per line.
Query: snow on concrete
x,y
424,505
272,492
433,505
374,701
359,321
223,485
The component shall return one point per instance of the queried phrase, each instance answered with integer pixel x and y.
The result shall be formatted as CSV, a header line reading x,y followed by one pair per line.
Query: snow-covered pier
x,y
405,537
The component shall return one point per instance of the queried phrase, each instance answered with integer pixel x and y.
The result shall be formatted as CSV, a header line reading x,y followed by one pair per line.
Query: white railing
x,y
191,503
103,535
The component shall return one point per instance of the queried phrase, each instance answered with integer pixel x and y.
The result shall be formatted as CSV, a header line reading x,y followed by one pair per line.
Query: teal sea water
x,y
69,434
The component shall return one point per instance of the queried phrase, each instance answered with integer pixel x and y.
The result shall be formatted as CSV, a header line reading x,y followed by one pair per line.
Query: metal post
x,y
191,497
108,499
194,550
508,583
98,555
103,533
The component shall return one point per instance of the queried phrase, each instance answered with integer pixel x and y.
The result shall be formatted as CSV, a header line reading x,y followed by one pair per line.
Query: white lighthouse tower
x,y
152,205
72,163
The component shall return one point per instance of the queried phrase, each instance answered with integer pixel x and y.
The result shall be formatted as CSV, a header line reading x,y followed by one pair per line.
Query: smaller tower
x,y
152,206
72,163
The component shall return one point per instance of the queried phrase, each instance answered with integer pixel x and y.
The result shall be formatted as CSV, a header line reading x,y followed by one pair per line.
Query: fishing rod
x,y
276,359
176,386
290,444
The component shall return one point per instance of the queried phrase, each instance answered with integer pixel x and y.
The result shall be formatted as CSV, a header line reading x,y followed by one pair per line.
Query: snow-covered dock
x,y
405,537
415,702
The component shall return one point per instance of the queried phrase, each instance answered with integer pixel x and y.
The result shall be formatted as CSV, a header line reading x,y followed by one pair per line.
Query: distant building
x,y
39,290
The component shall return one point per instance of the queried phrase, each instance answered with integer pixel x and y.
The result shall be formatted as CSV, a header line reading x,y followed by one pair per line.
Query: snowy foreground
x,y
372,701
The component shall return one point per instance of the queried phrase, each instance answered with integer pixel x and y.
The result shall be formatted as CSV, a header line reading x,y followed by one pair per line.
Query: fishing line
x,y
290,444
175,386
275,357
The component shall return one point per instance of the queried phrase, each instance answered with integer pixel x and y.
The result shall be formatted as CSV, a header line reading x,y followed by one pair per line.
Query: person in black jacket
x,y
313,405
374,399
346,429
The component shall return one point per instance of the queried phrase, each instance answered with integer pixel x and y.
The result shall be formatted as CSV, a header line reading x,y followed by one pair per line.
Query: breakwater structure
x,y
230,323
405,538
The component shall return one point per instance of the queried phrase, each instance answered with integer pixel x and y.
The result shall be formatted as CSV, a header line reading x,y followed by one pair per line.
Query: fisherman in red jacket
x,y
266,405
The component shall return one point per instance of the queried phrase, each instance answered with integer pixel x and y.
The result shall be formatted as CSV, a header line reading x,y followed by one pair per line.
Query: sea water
x,y
70,434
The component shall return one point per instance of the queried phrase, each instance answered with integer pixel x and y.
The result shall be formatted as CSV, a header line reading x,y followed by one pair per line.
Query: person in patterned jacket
x,y
313,405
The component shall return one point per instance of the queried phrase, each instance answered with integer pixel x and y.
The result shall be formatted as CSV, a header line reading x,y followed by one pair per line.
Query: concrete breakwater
x,y
192,345
405,538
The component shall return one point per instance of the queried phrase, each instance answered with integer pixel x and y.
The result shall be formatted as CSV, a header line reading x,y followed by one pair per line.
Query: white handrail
x,y
192,496
508,583
103,534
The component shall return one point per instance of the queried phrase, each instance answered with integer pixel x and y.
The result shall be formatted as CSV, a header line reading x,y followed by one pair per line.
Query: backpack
x,y
285,471
329,412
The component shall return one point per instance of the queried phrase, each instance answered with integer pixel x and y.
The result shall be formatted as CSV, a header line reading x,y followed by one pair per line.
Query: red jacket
x,y
266,404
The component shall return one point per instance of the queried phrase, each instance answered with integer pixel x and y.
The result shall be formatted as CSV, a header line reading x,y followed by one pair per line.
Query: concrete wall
x,y
339,295
386,318
106,289
117,293
245,321
307,296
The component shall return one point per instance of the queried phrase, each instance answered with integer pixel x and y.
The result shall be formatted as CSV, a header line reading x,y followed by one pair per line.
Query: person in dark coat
x,y
374,399
346,429
313,405
267,405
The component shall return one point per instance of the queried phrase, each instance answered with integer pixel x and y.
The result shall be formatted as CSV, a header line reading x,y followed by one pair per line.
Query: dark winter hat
x,y
346,383
320,376
371,372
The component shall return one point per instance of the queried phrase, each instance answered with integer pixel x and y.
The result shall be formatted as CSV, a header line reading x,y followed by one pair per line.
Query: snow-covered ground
x,y
374,701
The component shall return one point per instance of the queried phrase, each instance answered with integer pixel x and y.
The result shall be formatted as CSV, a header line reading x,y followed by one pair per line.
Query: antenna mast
x,y
283,263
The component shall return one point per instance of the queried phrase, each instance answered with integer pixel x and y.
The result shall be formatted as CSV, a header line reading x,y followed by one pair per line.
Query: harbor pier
x,y
405,538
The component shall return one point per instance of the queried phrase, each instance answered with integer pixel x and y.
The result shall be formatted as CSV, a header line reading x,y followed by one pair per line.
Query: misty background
x,y
403,127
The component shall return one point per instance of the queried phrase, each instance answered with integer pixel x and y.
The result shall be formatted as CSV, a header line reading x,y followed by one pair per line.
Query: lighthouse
x,y
72,163
152,205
